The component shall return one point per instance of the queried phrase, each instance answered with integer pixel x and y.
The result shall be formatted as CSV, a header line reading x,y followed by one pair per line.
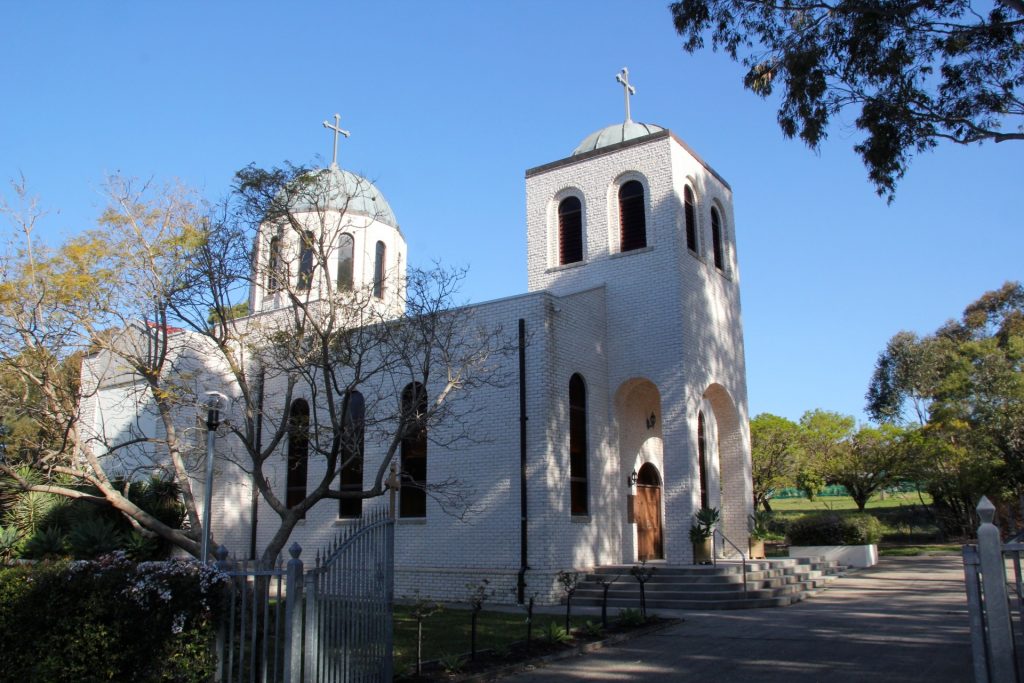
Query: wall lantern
x,y
631,479
652,420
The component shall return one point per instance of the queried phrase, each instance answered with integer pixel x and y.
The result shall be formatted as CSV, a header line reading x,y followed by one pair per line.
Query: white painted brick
x,y
655,330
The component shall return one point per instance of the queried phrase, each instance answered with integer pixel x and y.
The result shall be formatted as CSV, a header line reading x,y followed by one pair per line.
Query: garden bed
x,y
519,655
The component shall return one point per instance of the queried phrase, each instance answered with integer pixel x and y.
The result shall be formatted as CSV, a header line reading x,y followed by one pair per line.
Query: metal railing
x,y
330,623
714,554
252,635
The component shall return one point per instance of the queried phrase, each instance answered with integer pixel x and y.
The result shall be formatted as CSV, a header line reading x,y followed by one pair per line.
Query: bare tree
x,y
374,370
100,295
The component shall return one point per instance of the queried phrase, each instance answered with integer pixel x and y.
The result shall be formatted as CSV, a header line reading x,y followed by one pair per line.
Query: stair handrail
x,y
714,555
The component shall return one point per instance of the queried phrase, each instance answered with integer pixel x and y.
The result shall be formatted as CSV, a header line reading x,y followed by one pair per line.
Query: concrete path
x,y
903,620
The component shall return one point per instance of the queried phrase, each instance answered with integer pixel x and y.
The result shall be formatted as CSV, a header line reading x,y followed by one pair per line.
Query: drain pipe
x,y
523,517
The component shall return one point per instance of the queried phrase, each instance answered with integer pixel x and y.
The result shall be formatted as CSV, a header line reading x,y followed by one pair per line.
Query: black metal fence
x,y
329,624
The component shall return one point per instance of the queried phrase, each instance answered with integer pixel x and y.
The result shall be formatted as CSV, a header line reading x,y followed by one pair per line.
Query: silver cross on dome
x,y
623,78
337,130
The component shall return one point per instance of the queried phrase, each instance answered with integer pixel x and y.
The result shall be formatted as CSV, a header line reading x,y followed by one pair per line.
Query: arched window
x,y
632,218
352,450
716,239
702,460
570,230
275,266
413,501
378,271
578,446
298,452
345,252
691,219
306,262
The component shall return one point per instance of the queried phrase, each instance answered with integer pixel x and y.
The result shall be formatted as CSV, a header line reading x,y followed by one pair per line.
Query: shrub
x,y
94,536
109,619
10,543
46,543
556,633
86,529
140,548
452,664
630,617
831,529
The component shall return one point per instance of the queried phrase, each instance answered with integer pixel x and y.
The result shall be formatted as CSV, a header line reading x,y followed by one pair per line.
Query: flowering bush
x,y
109,619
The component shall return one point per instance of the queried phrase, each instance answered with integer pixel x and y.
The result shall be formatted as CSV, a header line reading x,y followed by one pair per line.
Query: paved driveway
x,y
903,620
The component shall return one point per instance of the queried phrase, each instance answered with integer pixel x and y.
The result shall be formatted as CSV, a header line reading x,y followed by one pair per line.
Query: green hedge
x,y
109,620
830,529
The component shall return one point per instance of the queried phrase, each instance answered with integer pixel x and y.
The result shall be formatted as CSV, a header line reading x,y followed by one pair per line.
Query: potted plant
x,y
701,531
759,533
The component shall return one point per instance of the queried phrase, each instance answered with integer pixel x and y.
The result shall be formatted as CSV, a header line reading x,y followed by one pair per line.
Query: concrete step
x,y
732,603
774,582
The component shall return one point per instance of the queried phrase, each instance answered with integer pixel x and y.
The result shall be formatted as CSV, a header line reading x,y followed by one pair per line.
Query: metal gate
x,y
349,599
329,624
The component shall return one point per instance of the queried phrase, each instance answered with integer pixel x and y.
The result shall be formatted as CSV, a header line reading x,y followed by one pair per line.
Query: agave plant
x,y
46,543
705,521
31,510
10,542
95,536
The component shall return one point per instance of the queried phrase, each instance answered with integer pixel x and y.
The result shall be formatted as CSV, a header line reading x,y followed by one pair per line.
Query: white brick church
x,y
626,410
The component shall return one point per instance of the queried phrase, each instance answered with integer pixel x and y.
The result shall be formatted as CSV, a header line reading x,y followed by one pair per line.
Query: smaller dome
x,y
338,189
614,134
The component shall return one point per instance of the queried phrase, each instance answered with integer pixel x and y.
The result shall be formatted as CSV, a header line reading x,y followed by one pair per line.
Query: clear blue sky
x,y
450,102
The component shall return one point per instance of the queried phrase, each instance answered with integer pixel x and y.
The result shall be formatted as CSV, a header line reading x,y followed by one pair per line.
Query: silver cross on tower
x,y
338,130
623,78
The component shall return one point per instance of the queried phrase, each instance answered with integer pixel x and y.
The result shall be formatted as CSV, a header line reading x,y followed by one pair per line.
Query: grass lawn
x,y
914,550
448,633
906,517
825,503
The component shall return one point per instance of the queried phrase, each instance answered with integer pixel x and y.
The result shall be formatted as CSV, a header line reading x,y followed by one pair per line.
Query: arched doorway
x,y
648,514
729,445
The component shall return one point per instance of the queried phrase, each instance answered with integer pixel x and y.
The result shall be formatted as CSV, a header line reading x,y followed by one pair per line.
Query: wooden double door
x,y
648,515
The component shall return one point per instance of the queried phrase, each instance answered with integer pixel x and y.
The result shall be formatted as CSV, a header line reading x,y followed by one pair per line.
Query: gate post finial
x,y
986,510
993,582
293,617
393,484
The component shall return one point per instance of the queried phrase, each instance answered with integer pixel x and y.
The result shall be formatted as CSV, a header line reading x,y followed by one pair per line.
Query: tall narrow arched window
x,y
345,258
413,502
691,219
378,270
570,230
306,262
702,460
578,446
352,450
632,218
275,277
298,452
716,239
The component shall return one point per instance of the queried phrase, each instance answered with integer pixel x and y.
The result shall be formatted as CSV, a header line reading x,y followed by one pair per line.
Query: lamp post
x,y
212,422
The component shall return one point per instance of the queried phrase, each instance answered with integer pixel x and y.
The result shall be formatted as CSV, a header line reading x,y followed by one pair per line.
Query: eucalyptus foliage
x,y
913,73
962,389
